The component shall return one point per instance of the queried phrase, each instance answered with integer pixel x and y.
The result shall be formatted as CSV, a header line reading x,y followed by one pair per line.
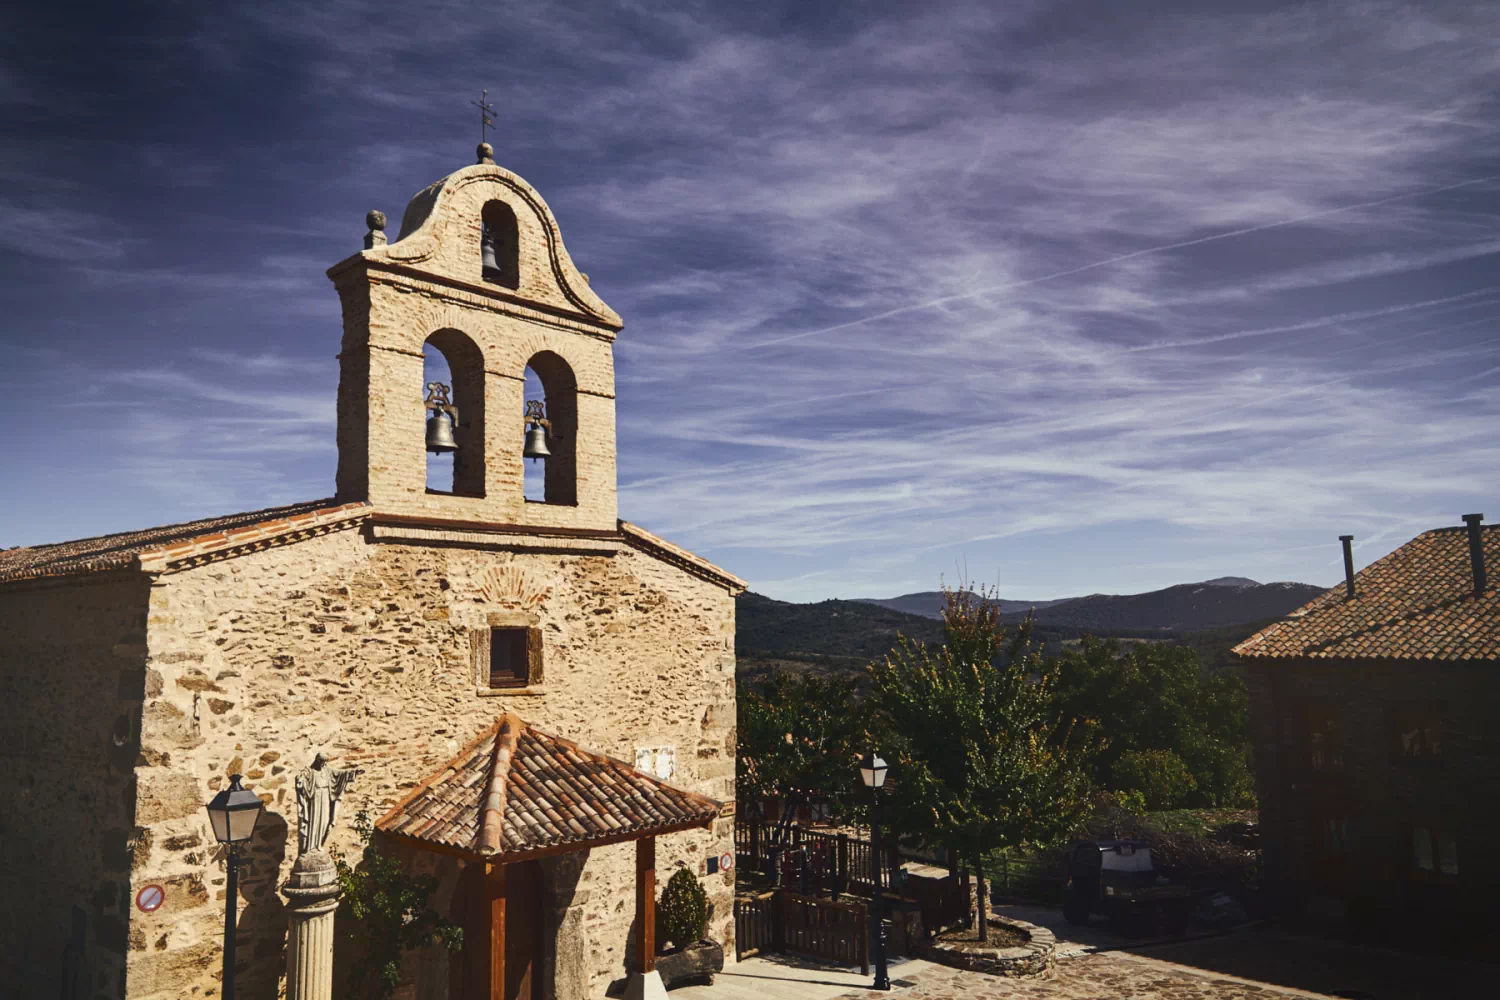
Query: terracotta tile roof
x,y
1417,603
173,541
663,549
516,790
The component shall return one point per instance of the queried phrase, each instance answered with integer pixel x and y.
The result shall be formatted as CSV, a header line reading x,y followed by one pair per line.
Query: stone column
x,y
312,895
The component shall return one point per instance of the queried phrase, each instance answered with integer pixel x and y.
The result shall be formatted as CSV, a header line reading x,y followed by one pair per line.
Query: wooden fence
x,y
757,927
820,928
835,862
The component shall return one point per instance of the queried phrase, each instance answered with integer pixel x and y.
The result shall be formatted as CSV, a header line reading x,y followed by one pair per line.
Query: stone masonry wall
x,y
361,650
72,678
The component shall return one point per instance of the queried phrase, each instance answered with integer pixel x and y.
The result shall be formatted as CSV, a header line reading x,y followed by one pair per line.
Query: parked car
x,y
1117,879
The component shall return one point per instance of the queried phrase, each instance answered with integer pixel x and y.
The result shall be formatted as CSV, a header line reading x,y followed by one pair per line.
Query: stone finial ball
x,y
485,152
375,219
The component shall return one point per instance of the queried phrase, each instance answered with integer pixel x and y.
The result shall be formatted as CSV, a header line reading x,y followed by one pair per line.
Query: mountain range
x,y
1217,603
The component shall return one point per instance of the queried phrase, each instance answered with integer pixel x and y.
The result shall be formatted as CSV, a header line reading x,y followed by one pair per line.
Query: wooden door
x,y
476,900
523,932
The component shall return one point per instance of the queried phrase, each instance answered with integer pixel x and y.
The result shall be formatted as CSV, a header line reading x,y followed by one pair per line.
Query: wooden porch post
x,y
645,902
494,890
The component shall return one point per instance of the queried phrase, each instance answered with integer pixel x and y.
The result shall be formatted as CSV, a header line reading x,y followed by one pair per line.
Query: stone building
x,y
1375,717
464,649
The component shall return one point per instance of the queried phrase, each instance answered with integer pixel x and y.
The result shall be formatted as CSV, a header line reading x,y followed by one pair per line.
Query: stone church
x,y
538,696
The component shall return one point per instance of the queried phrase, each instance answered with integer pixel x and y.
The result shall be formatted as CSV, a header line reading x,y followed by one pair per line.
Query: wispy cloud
x,y
1102,298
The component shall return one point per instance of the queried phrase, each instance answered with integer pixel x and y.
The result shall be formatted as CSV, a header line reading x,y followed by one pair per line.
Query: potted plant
x,y
681,916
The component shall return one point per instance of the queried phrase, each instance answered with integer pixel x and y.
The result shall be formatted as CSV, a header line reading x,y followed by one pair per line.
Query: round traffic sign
x,y
149,898
726,861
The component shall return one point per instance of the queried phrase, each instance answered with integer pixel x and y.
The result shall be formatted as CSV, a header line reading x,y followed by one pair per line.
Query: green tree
x,y
391,917
980,754
800,735
1160,776
1155,697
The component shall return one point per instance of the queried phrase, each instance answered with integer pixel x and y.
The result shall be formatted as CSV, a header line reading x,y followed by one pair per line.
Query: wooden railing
x,y
824,929
820,928
757,924
835,863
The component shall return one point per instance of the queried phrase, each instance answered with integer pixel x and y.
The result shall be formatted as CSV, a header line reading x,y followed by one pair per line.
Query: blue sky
x,y
1063,297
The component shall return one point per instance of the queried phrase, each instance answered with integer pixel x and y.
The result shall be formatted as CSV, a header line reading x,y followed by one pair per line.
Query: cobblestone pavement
x,y
1103,976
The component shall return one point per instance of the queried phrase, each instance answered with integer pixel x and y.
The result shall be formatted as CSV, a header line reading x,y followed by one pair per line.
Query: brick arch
x,y
560,387
466,366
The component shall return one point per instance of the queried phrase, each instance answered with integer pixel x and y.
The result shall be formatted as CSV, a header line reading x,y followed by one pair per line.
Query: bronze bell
x,y
440,434
536,443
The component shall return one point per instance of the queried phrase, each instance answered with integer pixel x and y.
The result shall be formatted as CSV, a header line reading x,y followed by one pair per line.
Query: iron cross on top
x,y
486,114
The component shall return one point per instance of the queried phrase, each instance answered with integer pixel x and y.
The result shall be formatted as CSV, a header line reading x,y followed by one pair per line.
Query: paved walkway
x,y
787,977
1252,963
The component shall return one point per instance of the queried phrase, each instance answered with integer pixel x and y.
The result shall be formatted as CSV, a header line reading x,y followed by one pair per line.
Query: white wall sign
x,y
659,762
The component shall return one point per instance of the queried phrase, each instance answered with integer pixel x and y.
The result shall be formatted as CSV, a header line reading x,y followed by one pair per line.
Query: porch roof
x,y
518,791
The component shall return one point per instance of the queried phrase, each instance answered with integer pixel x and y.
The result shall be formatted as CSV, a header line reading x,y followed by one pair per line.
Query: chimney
x,y
1348,566
1476,551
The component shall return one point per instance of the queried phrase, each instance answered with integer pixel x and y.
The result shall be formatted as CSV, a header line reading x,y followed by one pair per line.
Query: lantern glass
x,y
234,812
872,770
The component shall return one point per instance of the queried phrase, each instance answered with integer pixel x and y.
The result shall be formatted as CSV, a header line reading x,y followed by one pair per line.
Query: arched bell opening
x,y
556,481
499,245
453,398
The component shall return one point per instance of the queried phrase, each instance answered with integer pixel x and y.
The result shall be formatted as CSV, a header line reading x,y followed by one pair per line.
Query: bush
x,y
683,910
1160,776
391,916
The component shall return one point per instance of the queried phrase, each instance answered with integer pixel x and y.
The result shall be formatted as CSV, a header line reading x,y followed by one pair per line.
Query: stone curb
x,y
1033,959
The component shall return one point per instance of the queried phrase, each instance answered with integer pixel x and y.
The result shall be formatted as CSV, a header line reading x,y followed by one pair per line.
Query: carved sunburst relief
x,y
510,586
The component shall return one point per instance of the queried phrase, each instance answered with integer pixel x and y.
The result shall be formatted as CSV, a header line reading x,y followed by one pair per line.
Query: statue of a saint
x,y
319,789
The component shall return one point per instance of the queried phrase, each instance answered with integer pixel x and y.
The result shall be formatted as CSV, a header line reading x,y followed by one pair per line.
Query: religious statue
x,y
319,789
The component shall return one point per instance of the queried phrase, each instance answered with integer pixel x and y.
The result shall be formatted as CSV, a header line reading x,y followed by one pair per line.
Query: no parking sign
x,y
149,898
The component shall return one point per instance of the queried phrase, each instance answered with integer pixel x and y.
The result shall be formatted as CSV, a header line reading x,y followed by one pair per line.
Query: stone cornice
x,y
234,542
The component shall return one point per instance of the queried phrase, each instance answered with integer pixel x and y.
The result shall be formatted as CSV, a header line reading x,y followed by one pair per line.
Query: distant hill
x,y
1186,607
1211,617
929,603
842,629
1222,602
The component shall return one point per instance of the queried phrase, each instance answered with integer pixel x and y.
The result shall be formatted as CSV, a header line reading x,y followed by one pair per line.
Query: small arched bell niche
x,y
452,358
499,245
559,393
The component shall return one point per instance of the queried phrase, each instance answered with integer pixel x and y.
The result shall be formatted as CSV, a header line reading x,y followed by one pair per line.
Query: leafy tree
x,y
1160,776
389,906
1154,696
800,735
980,754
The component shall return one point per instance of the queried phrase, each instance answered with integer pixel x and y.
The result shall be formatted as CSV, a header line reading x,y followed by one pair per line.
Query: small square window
x,y
508,656
1434,851
1416,735
508,666
1322,739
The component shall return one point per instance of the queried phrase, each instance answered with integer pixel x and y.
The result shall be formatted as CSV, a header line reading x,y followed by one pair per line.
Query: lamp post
x,y
233,814
872,773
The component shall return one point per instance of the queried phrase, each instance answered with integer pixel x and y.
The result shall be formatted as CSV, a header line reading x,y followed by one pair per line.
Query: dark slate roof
x,y
517,790
1418,603
90,555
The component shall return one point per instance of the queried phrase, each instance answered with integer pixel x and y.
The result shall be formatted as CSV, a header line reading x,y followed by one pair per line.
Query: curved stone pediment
x,y
440,234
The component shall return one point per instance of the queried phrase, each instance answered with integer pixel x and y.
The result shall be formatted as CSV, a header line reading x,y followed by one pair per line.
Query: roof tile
x,y
1418,603
555,794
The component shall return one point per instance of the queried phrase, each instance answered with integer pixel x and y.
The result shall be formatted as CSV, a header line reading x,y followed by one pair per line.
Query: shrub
x,y
1159,775
683,910
391,916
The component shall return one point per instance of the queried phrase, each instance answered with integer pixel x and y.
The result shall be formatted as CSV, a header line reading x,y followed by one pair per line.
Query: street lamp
x,y
872,773
233,814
